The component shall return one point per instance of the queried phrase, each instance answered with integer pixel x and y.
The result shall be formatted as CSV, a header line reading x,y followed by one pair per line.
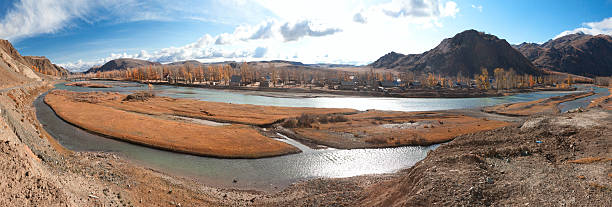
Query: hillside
x,y
13,68
466,52
121,64
578,54
187,62
45,66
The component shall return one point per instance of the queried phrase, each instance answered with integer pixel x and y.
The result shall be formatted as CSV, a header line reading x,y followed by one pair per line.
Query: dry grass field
x,y
231,141
392,129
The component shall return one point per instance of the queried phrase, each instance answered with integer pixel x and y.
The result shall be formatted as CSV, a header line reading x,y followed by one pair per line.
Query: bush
x,y
339,118
291,123
139,96
306,120
323,119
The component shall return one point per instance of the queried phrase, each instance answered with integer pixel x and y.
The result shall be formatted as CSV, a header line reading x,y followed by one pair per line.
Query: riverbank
x,y
604,102
312,92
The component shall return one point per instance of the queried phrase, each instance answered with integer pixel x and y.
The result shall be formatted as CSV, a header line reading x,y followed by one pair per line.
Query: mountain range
x,y
465,53
579,54
121,64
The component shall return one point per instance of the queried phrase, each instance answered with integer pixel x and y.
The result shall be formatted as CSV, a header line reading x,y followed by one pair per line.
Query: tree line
x,y
220,74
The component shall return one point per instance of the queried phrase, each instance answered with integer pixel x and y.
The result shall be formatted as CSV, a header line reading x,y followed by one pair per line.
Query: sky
x,y
79,34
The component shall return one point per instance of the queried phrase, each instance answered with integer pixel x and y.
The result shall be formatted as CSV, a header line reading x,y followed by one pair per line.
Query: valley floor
x,y
546,159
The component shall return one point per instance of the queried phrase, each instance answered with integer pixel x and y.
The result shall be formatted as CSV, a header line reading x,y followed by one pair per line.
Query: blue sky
x,y
81,33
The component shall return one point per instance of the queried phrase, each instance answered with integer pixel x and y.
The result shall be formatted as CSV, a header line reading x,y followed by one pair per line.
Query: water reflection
x,y
359,103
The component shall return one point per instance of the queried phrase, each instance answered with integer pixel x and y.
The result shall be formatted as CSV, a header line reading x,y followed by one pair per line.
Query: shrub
x,y
323,119
306,120
139,96
339,118
291,123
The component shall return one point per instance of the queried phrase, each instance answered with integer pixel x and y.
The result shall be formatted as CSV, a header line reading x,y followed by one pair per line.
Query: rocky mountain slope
x,y
13,68
45,66
578,54
466,52
121,64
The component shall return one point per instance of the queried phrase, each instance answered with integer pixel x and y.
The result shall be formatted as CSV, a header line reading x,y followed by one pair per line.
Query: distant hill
x,y
190,62
466,52
121,64
578,54
13,67
45,65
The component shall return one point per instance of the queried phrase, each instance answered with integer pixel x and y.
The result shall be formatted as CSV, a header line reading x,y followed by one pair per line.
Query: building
x,y
391,84
236,80
347,85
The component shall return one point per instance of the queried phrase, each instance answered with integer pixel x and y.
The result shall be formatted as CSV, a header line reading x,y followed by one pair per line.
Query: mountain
x,y
187,62
121,64
13,68
467,52
45,66
578,54
390,60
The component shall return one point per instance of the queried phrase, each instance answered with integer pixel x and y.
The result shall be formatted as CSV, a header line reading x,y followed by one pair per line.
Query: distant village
x,y
271,76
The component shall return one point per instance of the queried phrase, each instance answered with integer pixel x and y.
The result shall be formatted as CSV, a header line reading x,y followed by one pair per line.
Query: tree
x,y
499,73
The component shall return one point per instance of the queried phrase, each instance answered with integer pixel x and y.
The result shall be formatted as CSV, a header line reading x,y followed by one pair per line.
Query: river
x,y
266,173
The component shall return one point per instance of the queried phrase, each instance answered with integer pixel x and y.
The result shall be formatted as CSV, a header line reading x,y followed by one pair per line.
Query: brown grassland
x,y
153,123
230,141
213,111
391,129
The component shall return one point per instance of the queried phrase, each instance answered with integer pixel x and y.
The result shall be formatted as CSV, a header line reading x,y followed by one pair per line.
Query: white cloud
x,y
27,18
316,31
31,17
593,28
412,8
293,32
479,7
359,18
